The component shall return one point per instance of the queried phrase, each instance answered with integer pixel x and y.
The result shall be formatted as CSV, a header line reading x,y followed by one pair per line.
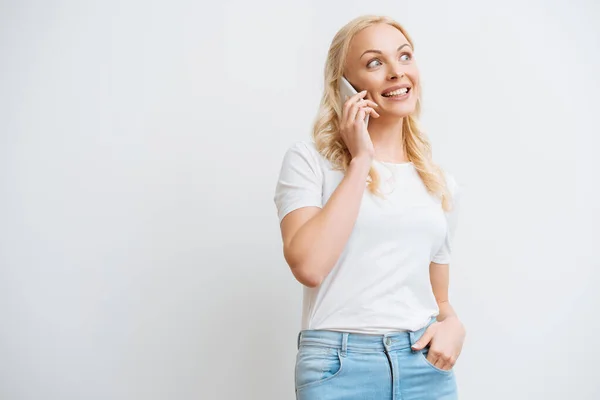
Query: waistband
x,y
360,341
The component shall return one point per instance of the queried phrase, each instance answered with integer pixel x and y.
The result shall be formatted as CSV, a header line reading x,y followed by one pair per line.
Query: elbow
x,y
305,275
310,280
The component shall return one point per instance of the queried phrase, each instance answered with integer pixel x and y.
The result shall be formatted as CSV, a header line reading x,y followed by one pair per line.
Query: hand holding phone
x,y
355,118
347,91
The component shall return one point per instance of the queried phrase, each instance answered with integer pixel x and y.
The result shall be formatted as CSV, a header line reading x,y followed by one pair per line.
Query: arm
x,y
439,275
448,334
314,238
440,266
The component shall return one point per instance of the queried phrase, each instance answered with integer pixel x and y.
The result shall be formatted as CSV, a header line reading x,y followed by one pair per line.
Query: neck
x,y
386,135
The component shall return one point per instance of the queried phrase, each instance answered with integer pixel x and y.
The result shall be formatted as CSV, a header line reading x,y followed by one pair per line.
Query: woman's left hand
x,y
447,338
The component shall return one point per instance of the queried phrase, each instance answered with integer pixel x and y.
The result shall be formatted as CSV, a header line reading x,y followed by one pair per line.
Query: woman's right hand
x,y
353,128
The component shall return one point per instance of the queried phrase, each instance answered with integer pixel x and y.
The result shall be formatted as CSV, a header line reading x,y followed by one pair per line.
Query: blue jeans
x,y
336,365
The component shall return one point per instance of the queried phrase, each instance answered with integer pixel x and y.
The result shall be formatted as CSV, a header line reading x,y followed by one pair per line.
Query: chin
x,y
398,109
402,111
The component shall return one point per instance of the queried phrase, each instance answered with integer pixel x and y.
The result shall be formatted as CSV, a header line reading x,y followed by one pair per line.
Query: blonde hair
x,y
326,135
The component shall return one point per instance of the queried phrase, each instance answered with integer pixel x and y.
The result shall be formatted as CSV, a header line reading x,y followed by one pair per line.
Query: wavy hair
x,y
326,128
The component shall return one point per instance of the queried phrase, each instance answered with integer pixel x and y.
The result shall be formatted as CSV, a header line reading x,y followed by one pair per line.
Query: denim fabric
x,y
336,365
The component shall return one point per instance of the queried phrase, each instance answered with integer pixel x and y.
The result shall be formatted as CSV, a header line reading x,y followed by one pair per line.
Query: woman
x,y
367,220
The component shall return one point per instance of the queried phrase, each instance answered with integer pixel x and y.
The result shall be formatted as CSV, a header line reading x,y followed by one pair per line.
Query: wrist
x,y
362,161
445,310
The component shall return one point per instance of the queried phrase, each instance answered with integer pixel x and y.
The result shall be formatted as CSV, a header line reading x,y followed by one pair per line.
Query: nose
x,y
395,75
395,72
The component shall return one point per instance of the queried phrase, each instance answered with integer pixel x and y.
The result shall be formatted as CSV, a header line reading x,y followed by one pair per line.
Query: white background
x,y
140,143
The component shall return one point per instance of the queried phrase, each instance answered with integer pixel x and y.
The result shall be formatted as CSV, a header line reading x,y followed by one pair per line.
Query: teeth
x,y
398,92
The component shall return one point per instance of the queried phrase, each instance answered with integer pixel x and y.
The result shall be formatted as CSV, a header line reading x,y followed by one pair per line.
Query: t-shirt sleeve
x,y
444,254
300,182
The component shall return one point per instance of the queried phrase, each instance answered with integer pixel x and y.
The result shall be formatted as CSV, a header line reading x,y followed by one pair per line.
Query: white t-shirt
x,y
380,282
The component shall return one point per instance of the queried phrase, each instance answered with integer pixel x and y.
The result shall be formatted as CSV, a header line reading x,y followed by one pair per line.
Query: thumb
x,y
424,340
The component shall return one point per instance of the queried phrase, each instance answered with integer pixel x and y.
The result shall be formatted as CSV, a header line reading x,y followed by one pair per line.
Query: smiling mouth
x,y
397,93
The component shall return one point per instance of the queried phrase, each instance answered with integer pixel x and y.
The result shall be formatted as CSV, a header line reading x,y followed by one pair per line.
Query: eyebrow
x,y
379,51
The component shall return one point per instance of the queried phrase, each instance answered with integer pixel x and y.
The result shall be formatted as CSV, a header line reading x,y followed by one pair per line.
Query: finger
x,y
445,362
360,116
370,111
354,99
447,366
440,363
359,95
432,357
351,103
370,100
360,103
347,105
436,359
367,103
352,112
353,109
425,339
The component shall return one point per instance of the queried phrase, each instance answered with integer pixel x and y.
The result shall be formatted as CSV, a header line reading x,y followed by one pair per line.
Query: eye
x,y
407,55
370,64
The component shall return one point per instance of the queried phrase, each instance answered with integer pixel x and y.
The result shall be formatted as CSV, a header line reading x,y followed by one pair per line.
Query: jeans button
x,y
388,341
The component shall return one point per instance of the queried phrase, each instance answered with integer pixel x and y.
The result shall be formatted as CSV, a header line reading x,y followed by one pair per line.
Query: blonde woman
x,y
367,220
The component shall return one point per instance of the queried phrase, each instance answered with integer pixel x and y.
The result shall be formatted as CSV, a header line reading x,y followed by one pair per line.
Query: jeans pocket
x,y
316,365
423,356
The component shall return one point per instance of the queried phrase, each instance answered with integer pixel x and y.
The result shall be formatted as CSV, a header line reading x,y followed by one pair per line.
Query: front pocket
x,y
424,353
316,365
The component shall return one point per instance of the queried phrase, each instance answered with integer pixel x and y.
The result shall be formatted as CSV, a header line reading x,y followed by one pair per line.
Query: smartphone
x,y
346,89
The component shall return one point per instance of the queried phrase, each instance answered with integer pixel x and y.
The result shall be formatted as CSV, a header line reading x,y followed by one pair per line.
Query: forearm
x,y
439,275
319,242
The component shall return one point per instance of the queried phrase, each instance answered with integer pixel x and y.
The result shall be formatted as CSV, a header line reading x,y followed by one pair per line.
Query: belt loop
x,y
299,337
344,343
412,340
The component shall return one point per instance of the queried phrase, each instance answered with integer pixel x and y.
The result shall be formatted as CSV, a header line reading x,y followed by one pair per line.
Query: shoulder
x,y
305,151
303,146
451,182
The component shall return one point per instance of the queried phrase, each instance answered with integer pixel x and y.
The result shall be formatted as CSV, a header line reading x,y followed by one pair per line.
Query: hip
x,y
342,365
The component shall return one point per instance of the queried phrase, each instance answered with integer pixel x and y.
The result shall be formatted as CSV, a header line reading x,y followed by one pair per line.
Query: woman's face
x,y
381,60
